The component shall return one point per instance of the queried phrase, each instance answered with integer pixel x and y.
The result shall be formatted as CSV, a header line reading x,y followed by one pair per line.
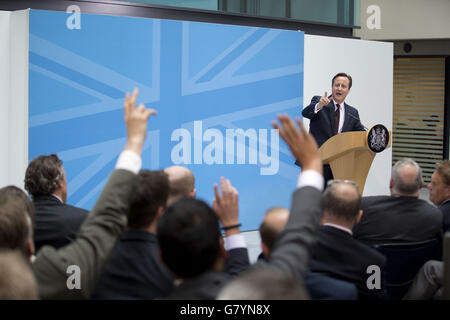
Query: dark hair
x,y
43,175
264,284
151,193
189,237
342,74
339,204
443,169
15,229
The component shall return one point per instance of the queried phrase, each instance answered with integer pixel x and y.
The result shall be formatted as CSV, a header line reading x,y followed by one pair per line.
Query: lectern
x,y
350,154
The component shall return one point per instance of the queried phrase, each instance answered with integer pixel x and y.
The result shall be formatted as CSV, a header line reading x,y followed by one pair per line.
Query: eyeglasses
x,y
335,181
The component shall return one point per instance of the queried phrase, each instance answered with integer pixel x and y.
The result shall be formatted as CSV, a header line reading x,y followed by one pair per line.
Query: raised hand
x,y
302,144
136,122
324,101
226,205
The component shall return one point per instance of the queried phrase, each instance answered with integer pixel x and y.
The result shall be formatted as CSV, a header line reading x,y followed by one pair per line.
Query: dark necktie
x,y
337,115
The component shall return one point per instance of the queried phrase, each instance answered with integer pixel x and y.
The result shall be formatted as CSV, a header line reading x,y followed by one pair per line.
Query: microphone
x,y
357,120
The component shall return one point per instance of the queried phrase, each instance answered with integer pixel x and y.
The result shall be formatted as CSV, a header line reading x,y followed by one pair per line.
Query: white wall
x,y
370,63
4,94
406,19
13,97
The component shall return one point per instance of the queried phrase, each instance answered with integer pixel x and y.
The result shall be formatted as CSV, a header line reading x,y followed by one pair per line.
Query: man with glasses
x,y
337,253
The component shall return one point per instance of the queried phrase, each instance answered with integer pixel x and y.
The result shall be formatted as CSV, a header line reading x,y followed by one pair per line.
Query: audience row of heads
x,y
188,229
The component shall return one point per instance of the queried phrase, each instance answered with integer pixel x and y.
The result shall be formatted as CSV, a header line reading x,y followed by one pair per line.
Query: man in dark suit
x,y
402,216
330,115
337,253
319,286
56,223
192,246
135,270
440,191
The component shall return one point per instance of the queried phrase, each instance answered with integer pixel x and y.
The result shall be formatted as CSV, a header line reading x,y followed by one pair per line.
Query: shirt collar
x,y
340,105
54,195
338,227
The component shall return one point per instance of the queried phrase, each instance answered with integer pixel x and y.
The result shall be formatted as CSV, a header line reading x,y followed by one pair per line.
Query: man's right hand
x,y
324,101
302,144
136,122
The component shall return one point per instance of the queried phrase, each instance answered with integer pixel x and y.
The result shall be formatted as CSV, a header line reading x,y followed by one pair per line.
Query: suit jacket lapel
x,y
347,119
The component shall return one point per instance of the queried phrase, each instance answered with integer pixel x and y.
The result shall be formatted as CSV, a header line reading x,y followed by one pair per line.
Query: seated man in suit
x,y
440,190
402,216
330,115
134,270
56,223
337,253
320,287
192,246
182,183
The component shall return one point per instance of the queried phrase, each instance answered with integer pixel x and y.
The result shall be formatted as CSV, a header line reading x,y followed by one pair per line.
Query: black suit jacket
x,y
338,255
397,219
207,285
134,270
56,223
322,122
445,209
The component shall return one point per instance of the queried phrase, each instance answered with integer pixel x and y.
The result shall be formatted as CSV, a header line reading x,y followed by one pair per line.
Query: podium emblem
x,y
378,138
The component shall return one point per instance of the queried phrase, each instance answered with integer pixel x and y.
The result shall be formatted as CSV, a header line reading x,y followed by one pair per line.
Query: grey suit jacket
x,y
93,245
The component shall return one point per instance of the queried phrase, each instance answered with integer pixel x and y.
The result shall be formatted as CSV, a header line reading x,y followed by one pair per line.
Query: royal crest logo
x,y
378,138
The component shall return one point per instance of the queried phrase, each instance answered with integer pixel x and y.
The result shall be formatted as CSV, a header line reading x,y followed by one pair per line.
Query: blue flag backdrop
x,y
216,89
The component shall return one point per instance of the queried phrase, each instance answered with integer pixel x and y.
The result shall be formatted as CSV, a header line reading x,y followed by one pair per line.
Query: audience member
x,y
182,183
429,280
135,270
192,246
56,223
273,223
402,216
16,279
263,284
16,212
440,191
319,286
337,253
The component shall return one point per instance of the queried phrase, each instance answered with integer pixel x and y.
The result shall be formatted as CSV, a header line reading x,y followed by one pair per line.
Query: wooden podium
x,y
349,156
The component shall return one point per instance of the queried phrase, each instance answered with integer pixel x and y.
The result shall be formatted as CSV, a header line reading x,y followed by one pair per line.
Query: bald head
x,y
342,204
182,183
271,227
406,178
